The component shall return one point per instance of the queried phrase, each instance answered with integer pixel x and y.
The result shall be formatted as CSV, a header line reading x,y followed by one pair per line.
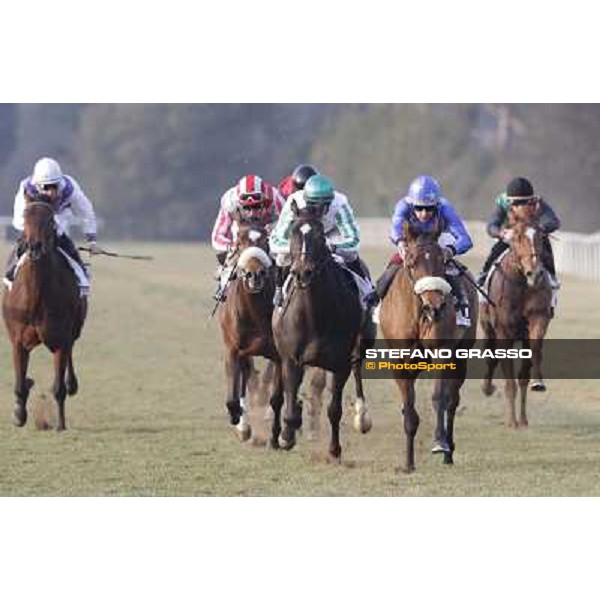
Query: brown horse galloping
x,y
245,319
43,307
318,325
418,312
522,295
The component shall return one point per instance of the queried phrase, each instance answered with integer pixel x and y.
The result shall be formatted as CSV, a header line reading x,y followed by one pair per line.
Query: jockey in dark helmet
x,y
520,198
297,180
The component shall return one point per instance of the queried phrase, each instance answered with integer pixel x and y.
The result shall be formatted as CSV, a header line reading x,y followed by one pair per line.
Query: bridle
x,y
319,266
36,249
427,283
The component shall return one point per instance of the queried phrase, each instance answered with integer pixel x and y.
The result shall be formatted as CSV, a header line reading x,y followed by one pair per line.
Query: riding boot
x,y
548,260
498,248
15,254
360,268
384,282
463,318
64,242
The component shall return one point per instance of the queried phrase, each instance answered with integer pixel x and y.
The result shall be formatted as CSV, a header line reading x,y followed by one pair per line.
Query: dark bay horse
x,y
522,294
418,312
318,325
43,307
245,319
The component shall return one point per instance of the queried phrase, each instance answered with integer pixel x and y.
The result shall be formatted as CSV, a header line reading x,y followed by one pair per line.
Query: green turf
x,y
149,418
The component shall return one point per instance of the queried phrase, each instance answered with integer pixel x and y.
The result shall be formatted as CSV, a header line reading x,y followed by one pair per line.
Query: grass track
x,y
149,418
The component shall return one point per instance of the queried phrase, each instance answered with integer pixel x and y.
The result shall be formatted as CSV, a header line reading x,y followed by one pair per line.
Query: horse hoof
x,y
285,444
538,386
488,388
243,430
439,447
406,469
235,413
60,428
273,444
20,416
448,460
363,423
524,423
335,454
72,387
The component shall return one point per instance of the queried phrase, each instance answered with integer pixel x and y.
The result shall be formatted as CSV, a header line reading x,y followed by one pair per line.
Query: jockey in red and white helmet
x,y
252,200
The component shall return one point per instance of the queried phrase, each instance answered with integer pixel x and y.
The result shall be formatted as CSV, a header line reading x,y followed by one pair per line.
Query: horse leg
x,y
537,332
362,419
276,403
411,420
455,385
72,383
243,428
292,378
318,381
334,411
524,374
487,385
233,372
22,384
440,407
510,392
59,389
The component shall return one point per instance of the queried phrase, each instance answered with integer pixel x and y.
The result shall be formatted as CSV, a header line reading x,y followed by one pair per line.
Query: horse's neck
x,y
509,265
39,277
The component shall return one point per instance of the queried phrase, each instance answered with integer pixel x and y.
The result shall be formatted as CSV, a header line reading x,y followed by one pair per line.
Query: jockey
x,y
63,193
297,180
423,208
252,200
519,197
341,230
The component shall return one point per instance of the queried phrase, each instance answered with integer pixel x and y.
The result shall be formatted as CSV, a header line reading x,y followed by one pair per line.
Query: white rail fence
x,y
575,253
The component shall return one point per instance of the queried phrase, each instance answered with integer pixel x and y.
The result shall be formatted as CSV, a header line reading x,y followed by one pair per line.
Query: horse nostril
x,y
529,273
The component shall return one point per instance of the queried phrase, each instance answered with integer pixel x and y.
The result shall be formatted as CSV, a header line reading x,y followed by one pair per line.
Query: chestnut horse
x,y
318,325
245,319
43,307
418,311
522,295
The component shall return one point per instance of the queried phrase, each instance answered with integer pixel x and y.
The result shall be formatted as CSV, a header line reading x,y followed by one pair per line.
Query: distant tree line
x,y
158,171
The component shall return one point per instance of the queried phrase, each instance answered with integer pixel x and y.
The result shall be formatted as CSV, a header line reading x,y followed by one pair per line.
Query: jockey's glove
x,y
506,235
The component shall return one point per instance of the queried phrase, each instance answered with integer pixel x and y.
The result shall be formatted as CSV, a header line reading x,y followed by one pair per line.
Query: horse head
x,y
527,246
308,249
39,232
254,263
425,267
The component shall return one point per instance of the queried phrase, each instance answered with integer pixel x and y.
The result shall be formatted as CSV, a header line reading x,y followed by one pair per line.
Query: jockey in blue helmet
x,y
424,208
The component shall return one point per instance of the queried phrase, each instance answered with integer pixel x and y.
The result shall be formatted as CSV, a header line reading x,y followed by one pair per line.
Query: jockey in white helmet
x,y
48,184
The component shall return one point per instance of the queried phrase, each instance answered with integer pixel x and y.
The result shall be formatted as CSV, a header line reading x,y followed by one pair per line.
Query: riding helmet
x,y
301,174
424,191
318,190
519,189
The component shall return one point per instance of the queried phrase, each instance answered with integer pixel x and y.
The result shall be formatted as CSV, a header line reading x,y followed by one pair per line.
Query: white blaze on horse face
x,y
254,235
530,233
304,229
